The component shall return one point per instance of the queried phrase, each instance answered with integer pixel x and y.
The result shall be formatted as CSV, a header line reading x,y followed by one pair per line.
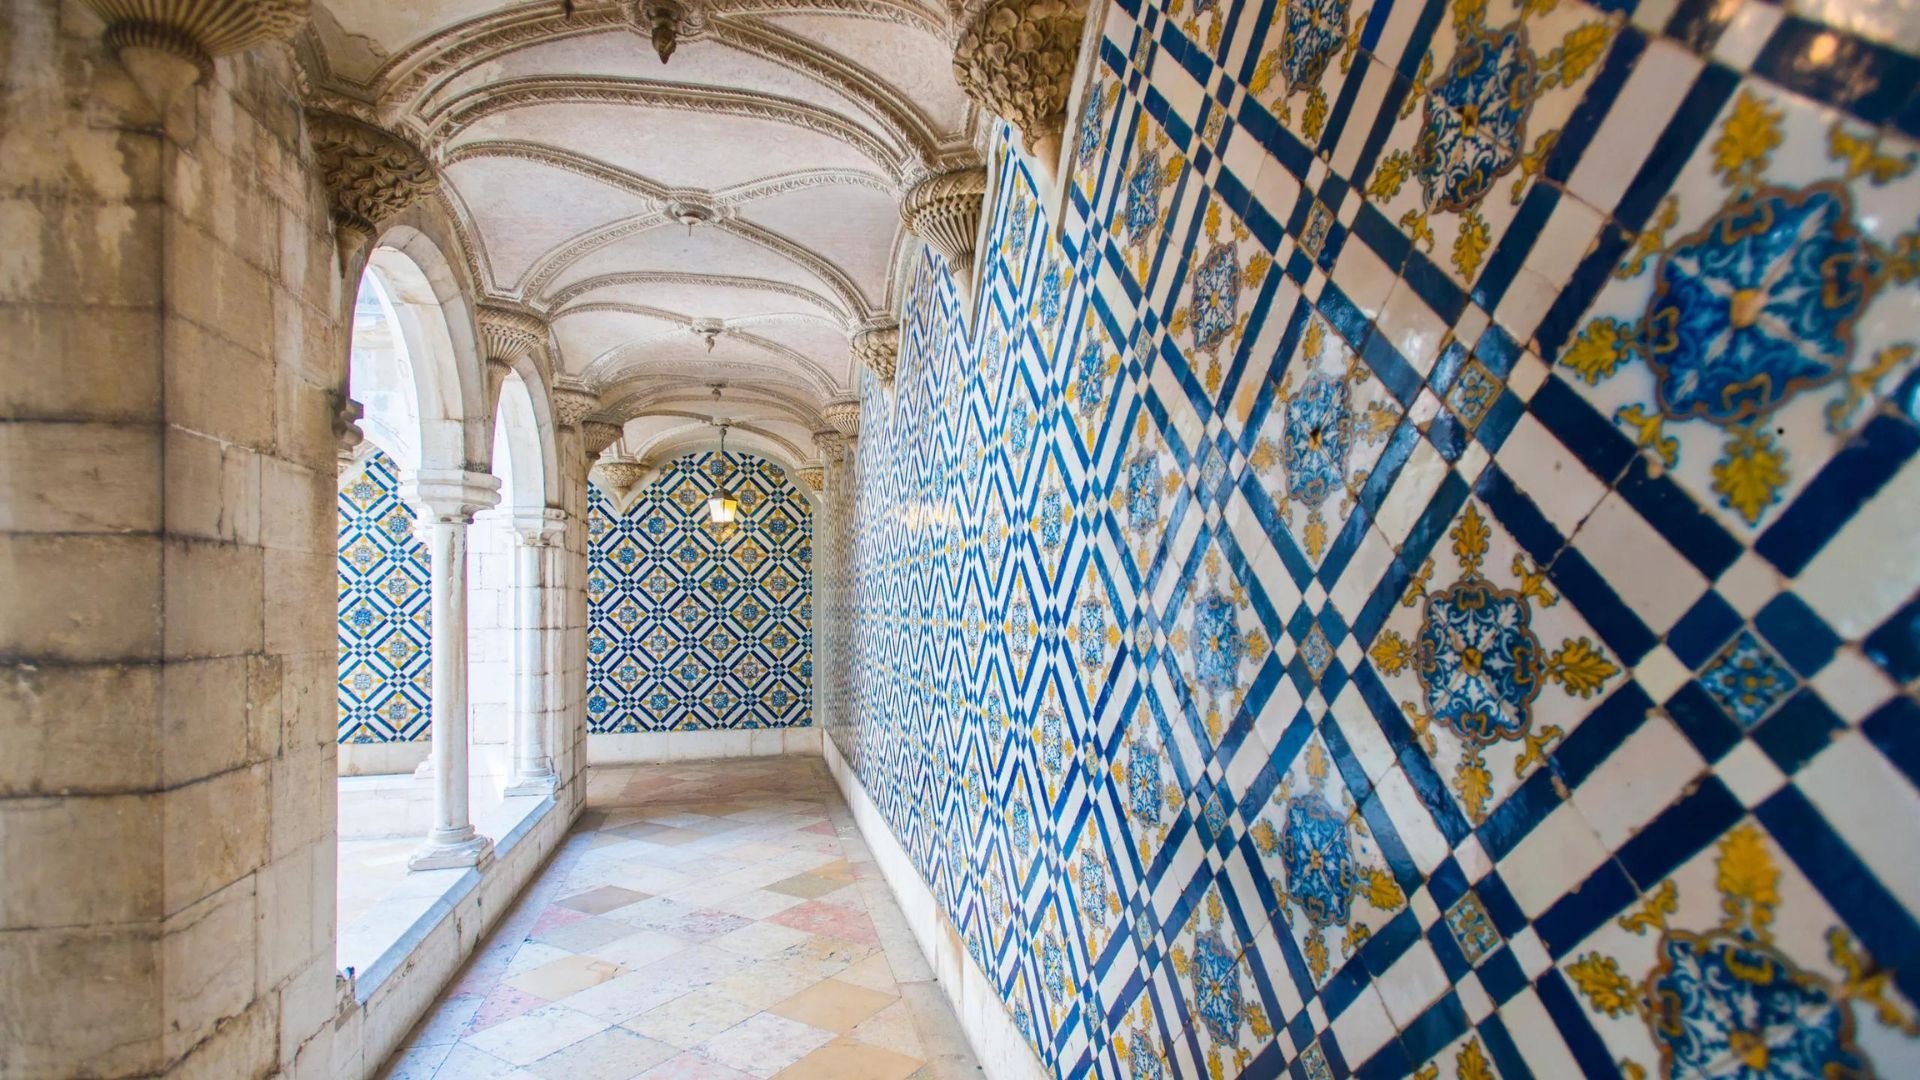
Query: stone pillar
x,y
537,536
1015,58
451,497
945,211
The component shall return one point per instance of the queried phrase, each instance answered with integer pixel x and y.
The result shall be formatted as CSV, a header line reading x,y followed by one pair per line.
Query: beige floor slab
x,y
700,980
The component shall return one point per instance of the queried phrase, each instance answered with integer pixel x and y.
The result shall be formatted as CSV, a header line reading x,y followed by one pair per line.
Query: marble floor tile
x,y
656,946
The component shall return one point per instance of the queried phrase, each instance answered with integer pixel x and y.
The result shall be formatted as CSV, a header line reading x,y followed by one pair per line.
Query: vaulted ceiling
x,y
732,214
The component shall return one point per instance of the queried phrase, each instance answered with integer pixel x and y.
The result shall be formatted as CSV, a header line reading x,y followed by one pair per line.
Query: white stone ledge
x,y
997,1044
646,747
389,998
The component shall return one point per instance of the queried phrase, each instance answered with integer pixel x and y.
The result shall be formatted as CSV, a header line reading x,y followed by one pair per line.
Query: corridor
x,y
704,921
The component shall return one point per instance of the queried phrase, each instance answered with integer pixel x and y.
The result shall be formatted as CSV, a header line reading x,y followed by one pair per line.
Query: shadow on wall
x,y
697,627
1414,566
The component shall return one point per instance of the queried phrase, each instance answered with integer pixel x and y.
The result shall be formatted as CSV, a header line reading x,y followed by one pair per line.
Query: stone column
x,y
451,497
537,534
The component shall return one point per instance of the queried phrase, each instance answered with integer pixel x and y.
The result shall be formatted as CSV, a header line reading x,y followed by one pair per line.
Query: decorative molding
x,y
1016,59
509,333
814,476
370,174
476,105
346,428
945,211
844,414
878,348
555,157
903,122
597,435
198,31
453,496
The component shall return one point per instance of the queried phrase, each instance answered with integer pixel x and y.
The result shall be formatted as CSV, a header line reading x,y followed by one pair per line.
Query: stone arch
x,y
434,319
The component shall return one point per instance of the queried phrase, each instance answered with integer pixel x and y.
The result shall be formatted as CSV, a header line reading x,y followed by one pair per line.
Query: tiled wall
x,y
386,610
1415,575
696,627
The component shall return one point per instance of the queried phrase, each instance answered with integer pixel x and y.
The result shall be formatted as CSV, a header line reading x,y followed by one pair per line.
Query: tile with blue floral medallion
x,y
1225,1010
1491,665
1328,419
1149,184
1217,642
1771,300
1735,966
1224,271
1329,879
1490,96
1308,51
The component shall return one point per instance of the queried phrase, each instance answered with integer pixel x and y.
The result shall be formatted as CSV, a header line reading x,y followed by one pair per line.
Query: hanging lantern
x,y
722,507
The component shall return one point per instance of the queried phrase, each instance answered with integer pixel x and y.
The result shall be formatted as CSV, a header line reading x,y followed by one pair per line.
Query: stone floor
x,y
705,921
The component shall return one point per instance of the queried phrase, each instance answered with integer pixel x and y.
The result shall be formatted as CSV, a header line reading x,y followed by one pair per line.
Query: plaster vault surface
x,y
731,215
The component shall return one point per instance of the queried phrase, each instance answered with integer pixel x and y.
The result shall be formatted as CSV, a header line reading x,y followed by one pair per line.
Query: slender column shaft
x,y
532,756
451,823
451,499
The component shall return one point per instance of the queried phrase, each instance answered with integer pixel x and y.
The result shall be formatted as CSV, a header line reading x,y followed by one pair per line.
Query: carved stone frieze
x,y
945,211
1016,59
370,174
878,348
597,435
509,333
198,31
844,414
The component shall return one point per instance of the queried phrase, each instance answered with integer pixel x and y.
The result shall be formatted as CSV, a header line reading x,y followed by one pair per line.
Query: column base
x,y
475,851
533,785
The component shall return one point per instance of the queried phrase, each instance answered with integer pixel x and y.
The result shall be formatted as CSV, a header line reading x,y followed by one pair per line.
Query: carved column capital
x,y
1016,59
944,210
878,348
509,333
370,174
844,414
814,476
454,495
619,476
198,31
597,435
831,444
539,528
573,404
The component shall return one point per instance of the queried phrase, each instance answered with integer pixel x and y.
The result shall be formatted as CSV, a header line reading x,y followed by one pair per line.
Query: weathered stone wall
x,y
169,332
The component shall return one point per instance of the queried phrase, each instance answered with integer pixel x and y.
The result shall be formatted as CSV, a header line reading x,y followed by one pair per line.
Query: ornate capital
x,y
539,528
508,333
370,174
944,210
831,444
618,476
814,476
572,404
844,414
879,349
454,495
597,435
198,31
1016,59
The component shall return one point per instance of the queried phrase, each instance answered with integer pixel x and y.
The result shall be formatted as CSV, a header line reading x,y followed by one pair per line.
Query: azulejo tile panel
x,y
1410,574
386,611
693,626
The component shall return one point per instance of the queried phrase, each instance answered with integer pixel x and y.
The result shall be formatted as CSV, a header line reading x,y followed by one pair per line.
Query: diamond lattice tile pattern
x,y
693,626
1405,565
386,611
706,921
